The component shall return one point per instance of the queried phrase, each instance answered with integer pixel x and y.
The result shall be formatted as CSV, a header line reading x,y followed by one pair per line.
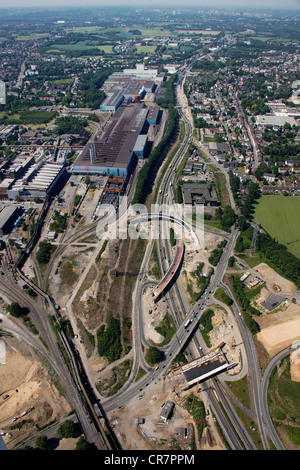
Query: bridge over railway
x,y
161,287
156,217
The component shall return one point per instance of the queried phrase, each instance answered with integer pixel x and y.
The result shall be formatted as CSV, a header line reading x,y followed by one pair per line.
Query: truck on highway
x,y
187,323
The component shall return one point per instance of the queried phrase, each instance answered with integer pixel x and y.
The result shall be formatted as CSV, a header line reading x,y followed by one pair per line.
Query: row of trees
x,y
149,170
29,117
109,339
91,95
279,258
247,207
217,253
245,305
67,430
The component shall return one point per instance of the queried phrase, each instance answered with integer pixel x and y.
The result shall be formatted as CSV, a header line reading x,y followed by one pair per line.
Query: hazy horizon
x,y
222,4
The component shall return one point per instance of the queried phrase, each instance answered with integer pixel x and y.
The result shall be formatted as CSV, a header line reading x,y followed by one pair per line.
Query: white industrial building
x,y
172,68
113,100
39,180
140,72
273,120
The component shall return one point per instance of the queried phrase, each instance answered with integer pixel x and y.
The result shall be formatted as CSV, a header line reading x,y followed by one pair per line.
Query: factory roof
x,y
115,146
6,213
272,120
38,176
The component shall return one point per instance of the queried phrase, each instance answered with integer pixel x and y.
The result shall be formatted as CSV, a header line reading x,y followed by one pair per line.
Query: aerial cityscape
x,y
150,228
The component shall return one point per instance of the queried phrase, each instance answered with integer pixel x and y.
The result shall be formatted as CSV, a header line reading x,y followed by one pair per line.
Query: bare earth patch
x,y
29,387
295,366
279,330
274,279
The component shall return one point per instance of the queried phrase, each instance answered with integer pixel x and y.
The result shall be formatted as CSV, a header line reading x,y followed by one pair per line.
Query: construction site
x,y
205,367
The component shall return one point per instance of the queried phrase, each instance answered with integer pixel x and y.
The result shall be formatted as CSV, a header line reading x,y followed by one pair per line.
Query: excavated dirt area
x,y
279,330
295,366
277,283
138,425
33,400
280,327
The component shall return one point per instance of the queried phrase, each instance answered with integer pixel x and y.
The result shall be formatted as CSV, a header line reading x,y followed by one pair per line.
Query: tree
x,y
228,218
82,444
44,252
15,310
42,443
261,169
231,261
152,355
67,429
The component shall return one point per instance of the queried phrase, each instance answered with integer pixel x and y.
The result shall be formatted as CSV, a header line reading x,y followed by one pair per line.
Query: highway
x,y
263,394
234,432
185,338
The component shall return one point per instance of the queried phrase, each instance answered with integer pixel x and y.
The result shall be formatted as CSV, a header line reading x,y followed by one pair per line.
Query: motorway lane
x,y
180,339
253,367
264,393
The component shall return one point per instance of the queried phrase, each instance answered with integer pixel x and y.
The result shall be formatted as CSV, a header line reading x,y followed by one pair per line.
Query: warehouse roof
x,y
115,147
272,120
6,213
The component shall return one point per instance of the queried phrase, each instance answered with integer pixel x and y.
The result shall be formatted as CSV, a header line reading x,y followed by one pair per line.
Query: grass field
x,y
146,49
280,217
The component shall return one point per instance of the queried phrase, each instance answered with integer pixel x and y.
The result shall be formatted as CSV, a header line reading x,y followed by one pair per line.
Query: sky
x,y
238,4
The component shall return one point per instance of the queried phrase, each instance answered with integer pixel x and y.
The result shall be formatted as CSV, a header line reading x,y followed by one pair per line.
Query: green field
x,y
81,46
280,217
146,49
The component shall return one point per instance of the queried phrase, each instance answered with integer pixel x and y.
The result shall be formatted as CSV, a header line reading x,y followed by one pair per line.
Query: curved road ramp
x,y
168,278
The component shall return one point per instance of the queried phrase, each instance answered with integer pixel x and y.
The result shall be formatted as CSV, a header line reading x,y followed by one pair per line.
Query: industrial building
x,y
113,100
274,120
119,89
154,115
166,410
5,185
140,72
16,168
172,68
199,193
8,216
122,142
40,180
7,130
140,145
